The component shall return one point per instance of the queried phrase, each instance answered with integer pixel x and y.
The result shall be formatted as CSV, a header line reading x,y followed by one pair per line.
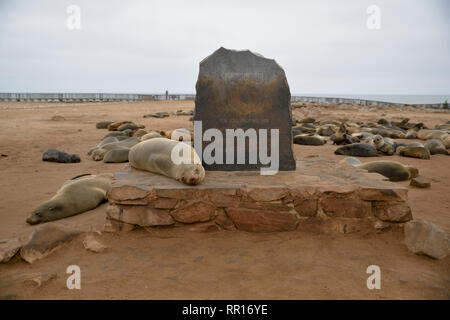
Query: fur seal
x,y
411,134
113,126
414,152
357,150
426,134
155,155
151,135
130,125
75,197
103,124
309,140
54,155
384,145
116,155
102,143
139,133
393,170
435,146
179,135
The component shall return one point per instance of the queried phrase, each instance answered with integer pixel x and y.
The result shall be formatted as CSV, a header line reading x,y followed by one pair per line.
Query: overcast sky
x,y
150,46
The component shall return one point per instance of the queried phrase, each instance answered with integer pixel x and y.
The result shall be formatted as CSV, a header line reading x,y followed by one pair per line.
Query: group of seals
x,y
74,197
114,150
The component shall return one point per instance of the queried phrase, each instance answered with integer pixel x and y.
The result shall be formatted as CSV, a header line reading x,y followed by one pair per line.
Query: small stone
x,y
424,237
8,249
46,239
39,280
420,183
58,118
92,244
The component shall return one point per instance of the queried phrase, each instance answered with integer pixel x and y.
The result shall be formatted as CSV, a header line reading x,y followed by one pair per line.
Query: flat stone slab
x,y
320,195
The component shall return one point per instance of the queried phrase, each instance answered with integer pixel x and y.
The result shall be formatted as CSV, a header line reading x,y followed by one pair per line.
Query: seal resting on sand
x,y
74,197
357,150
54,155
157,155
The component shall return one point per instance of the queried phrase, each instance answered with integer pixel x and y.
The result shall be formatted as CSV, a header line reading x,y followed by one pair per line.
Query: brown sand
x,y
182,264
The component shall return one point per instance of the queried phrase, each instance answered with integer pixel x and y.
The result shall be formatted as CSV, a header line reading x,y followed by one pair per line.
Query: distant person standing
x,y
445,104
167,94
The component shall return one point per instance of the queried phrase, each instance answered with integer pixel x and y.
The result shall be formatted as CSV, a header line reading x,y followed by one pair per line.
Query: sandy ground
x,y
180,264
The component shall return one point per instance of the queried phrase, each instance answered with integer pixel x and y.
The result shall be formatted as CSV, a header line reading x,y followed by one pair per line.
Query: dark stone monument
x,y
244,90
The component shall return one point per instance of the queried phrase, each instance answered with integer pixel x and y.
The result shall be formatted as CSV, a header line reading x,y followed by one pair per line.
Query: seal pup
x,y
393,170
157,155
74,197
54,155
357,150
384,145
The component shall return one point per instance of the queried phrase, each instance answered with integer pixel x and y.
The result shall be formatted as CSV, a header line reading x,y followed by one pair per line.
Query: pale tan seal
x,y
151,135
414,152
72,198
435,146
393,170
309,140
157,155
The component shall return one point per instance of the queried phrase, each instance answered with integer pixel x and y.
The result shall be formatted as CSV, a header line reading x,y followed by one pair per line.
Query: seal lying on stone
x,y
72,198
414,152
54,155
357,150
393,170
435,146
156,155
309,140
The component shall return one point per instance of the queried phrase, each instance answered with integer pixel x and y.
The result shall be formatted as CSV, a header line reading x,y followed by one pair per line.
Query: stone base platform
x,y
321,195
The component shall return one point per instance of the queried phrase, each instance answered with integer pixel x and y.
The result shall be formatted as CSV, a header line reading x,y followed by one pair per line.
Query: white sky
x,y
150,46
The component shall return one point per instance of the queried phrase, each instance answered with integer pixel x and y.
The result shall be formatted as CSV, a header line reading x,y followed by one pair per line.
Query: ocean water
x,y
395,98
